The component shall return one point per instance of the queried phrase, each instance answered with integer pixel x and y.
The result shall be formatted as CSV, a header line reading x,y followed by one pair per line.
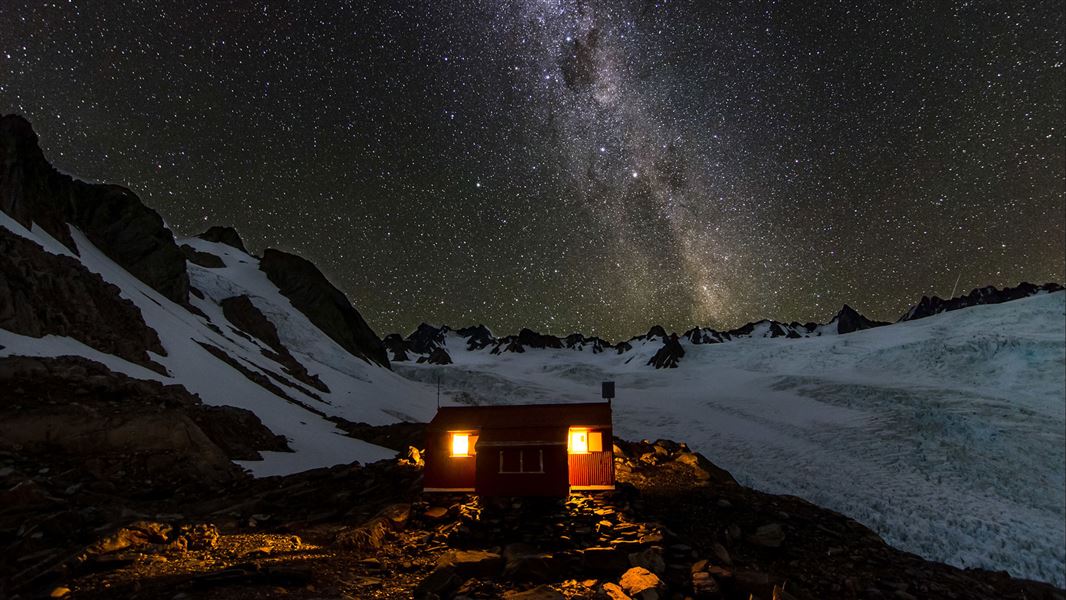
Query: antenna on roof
x,y
954,287
607,388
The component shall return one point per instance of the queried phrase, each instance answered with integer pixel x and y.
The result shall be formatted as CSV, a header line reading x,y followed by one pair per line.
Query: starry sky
x,y
576,164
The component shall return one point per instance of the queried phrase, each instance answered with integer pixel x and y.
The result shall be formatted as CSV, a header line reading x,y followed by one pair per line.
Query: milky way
x,y
562,165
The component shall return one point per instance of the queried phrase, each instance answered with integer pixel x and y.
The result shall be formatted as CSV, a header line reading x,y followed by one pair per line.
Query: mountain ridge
x,y
427,342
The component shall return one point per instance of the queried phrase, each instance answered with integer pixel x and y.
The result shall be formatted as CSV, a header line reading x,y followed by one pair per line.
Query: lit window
x,y
460,444
579,441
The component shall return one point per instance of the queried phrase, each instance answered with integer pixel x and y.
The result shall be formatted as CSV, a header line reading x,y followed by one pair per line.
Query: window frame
x,y
521,463
471,439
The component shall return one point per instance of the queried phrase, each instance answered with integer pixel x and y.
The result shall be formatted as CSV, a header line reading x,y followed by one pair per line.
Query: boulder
x,y
642,584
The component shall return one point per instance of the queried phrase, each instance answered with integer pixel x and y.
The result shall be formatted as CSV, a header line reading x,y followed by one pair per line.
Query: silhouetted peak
x,y
224,235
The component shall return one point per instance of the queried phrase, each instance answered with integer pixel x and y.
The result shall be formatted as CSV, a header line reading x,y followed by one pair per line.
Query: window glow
x,y
460,444
579,441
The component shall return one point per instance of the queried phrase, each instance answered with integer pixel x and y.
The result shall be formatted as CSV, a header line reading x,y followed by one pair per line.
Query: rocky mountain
x,y
87,270
428,339
113,219
927,306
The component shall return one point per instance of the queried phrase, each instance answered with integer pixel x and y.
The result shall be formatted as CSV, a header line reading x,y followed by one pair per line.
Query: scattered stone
x,y
60,591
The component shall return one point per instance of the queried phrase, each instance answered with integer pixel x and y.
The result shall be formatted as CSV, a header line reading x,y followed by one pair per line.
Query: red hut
x,y
520,450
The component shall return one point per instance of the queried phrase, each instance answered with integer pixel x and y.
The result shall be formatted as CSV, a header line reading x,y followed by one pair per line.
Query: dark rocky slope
x,y
112,217
45,294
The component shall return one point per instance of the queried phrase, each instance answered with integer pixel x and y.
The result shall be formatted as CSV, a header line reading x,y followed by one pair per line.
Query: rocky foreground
x,y
166,518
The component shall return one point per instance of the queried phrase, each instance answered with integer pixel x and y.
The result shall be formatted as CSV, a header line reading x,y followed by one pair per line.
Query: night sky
x,y
564,165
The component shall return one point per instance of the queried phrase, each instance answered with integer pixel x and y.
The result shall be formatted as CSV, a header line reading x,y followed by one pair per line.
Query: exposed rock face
x,y
204,259
669,355
326,306
526,338
987,295
74,407
477,337
395,344
426,338
45,294
656,331
112,217
439,356
849,320
240,311
577,341
224,235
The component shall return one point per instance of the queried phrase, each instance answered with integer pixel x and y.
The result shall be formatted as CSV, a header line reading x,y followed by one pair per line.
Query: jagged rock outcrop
x,y
669,355
324,305
426,338
477,337
224,235
74,407
46,294
531,339
439,356
204,259
927,306
849,320
577,341
395,344
240,311
112,217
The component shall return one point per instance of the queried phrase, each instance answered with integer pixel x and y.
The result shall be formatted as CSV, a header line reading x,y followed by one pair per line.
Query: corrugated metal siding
x,y
594,468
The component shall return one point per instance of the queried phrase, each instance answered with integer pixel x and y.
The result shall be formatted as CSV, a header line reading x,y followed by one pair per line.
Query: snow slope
x,y
945,434
359,391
